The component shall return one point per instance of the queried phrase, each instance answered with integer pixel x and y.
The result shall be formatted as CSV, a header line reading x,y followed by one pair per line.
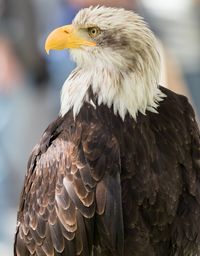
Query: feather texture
x,y
60,190
101,186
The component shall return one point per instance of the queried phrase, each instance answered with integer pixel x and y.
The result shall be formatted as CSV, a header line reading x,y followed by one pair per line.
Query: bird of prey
x,y
118,172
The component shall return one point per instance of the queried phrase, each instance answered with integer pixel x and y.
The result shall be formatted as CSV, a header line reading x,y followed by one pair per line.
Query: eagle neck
x,y
124,92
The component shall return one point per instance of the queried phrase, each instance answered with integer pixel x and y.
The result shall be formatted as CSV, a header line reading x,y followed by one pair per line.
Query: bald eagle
x,y
118,172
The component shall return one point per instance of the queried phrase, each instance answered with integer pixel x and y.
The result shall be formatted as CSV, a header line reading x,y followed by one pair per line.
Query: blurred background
x,y
30,81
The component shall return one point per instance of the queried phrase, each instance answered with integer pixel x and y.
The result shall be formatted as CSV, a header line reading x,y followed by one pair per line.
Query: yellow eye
x,y
94,32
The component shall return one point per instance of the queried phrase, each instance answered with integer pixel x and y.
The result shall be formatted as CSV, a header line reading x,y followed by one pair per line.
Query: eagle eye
x,y
94,32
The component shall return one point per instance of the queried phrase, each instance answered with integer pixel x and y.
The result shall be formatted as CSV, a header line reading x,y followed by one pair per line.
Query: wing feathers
x,y
41,227
67,217
47,245
88,212
39,251
100,198
57,237
62,199
110,223
64,189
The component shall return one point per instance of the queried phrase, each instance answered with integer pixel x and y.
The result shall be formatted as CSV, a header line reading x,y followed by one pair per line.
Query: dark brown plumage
x,y
99,184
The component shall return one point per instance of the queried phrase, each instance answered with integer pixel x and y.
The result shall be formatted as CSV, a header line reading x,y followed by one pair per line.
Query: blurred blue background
x,y
30,81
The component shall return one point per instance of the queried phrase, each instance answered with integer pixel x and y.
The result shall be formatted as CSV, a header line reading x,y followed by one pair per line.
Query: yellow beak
x,y
65,37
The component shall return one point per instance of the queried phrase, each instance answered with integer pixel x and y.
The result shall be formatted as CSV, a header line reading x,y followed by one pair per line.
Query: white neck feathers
x,y
125,92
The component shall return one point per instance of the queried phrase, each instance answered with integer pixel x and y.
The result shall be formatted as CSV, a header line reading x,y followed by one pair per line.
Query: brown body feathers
x,y
102,186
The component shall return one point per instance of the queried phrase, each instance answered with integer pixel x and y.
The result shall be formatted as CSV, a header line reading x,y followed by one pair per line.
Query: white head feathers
x,y
122,69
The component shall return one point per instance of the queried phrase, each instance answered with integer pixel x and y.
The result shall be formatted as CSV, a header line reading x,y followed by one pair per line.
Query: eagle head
x,y
116,52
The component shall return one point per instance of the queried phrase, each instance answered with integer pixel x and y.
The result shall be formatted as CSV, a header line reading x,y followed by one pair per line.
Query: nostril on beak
x,y
67,32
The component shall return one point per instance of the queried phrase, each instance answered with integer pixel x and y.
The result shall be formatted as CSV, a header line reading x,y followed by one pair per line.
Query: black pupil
x,y
93,31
